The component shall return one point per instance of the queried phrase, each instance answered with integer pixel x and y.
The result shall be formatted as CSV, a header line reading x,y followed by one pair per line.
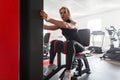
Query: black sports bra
x,y
70,34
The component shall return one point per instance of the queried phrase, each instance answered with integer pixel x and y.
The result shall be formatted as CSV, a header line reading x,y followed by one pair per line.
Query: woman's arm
x,y
52,27
59,23
62,24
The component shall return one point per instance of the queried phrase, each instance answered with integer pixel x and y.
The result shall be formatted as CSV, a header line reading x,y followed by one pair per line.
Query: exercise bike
x,y
118,35
80,59
114,52
46,46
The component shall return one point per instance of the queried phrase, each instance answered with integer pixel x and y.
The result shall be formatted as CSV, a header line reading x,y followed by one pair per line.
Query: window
x,y
95,24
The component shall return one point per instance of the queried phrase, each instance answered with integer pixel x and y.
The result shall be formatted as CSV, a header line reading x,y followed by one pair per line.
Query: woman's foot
x,y
67,75
51,67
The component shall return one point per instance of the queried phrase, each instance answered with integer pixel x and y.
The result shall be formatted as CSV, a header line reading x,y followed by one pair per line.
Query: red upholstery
x,y
55,46
79,54
64,46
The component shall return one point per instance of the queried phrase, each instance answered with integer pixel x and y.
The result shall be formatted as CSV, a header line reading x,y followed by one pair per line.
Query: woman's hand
x,y
44,15
73,22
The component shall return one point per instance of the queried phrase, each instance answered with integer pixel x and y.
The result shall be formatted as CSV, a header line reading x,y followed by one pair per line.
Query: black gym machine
x,y
46,44
114,52
118,34
80,60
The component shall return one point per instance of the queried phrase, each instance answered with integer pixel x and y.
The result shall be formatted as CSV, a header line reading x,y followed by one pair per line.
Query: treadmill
x,y
97,49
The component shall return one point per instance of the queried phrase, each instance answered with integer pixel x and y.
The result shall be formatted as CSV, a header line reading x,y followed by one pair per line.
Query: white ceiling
x,y
81,8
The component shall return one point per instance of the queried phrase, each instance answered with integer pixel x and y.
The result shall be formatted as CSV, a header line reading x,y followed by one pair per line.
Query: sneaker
x,y
50,69
67,76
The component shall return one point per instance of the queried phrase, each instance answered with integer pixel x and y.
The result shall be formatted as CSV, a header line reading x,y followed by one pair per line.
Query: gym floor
x,y
100,69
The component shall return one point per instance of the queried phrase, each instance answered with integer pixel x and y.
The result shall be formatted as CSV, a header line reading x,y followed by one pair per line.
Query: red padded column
x,y
9,39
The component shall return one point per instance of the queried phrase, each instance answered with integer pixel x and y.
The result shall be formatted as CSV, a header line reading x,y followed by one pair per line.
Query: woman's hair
x,y
65,9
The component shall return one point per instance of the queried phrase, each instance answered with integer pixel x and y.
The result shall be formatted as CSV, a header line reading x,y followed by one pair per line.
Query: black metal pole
x,y
31,40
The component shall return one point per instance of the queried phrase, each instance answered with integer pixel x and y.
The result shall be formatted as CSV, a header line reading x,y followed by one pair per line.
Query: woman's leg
x,y
73,47
78,47
51,66
56,47
52,52
70,54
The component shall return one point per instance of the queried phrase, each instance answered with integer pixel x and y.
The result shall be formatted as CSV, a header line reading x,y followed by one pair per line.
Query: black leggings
x,y
70,48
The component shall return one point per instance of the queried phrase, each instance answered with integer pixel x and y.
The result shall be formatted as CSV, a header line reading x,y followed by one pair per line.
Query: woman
x,y
69,31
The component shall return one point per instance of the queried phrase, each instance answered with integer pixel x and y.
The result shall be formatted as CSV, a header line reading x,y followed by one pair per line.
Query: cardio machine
x,y
97,49
118,35
114,52
80,59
